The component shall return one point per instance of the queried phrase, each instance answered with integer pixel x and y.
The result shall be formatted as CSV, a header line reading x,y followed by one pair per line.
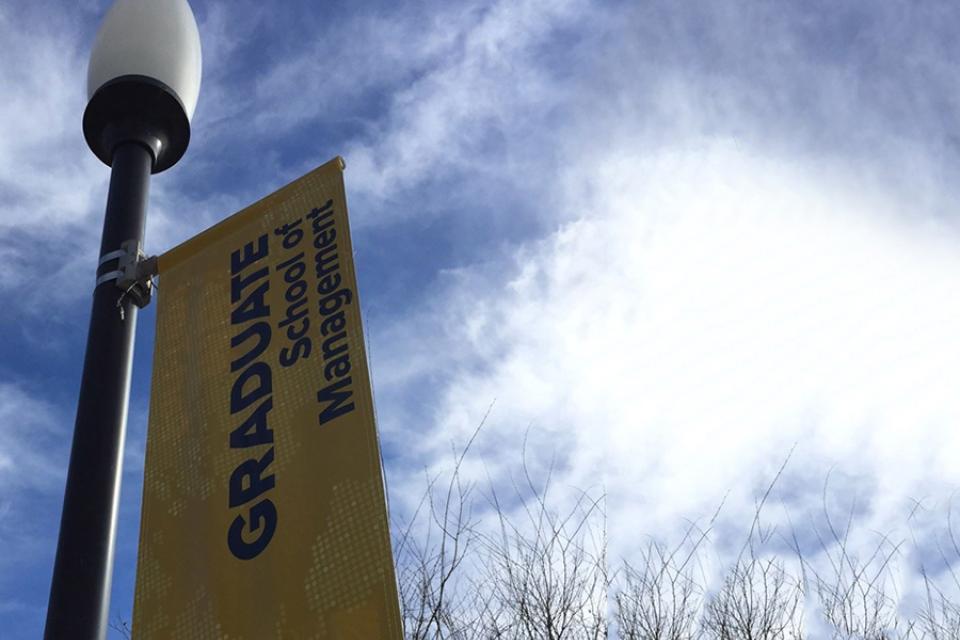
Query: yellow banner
x,y
264,513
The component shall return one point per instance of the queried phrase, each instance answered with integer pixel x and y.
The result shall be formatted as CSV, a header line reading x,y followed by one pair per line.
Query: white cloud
x,y
51,186
28,436
33,446
743,218
477,106
709,308
746,244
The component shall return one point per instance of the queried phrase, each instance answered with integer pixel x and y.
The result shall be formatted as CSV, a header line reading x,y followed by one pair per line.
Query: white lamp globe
x,y
143,80
153,38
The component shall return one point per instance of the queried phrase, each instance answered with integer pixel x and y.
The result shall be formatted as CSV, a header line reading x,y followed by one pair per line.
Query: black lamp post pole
x,y
138,125
80,594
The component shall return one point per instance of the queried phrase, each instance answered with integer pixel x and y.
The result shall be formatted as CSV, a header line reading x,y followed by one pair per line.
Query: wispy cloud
x,y
671,239
29,437
33,441
51,188
753,248
672,346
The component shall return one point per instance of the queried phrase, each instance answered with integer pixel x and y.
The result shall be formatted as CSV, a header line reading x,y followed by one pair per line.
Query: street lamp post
x,y
143,83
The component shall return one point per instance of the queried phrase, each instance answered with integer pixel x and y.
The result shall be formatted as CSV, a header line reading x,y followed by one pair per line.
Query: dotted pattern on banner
x,y
150,573
331,583
199,621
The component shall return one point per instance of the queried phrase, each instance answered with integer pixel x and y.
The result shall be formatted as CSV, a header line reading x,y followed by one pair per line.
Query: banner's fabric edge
x,y
392,588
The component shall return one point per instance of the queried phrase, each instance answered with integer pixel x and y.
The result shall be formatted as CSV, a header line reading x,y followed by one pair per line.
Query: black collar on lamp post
x,y
143,84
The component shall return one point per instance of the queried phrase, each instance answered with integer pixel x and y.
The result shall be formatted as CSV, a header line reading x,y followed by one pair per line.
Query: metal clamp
x,y
134,272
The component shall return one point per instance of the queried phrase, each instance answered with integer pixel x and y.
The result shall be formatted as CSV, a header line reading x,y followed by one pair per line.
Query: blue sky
x,y
672,239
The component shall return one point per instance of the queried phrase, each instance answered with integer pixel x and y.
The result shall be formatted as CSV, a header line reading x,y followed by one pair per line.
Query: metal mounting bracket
x,y
134,272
